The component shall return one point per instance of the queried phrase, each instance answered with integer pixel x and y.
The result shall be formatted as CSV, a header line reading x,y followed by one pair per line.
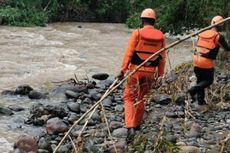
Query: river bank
x,y
38,56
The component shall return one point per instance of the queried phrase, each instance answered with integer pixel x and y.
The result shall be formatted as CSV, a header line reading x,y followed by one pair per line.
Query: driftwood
x,y
223,142
131,73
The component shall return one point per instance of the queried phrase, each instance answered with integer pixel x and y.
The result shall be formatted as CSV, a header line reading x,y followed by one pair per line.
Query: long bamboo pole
x,y
134,71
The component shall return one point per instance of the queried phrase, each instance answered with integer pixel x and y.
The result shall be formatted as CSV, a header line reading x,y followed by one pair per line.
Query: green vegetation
x,y
174,16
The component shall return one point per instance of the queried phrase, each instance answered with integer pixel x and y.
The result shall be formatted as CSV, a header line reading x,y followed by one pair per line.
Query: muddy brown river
x,y
39,55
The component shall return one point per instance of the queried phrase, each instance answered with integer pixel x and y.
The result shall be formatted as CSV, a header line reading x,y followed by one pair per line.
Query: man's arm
x,y
222,42
161,66
133,40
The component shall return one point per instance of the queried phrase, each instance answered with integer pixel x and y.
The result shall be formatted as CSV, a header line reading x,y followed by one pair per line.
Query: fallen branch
x,y
223,142
74,146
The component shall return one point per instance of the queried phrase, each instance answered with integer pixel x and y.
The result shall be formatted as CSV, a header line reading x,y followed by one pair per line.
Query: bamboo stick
x,y
134,71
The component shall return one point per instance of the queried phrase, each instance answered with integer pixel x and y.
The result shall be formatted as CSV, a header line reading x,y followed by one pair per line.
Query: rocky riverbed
x,y
172,123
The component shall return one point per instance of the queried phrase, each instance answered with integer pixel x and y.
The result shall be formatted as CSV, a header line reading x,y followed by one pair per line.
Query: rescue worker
x,y
208,44
142,43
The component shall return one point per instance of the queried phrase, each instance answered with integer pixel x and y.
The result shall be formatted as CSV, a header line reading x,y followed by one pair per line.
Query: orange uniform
x,y
207,41
143,43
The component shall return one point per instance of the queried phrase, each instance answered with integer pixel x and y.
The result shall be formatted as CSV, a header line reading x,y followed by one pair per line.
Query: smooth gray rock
x,y
120,133
37,95
75,107
71,94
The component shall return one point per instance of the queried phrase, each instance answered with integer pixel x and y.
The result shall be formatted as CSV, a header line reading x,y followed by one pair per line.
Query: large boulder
x,y
26,144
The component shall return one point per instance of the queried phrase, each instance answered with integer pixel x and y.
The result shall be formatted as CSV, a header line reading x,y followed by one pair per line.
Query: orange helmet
x,y
148,13
217,19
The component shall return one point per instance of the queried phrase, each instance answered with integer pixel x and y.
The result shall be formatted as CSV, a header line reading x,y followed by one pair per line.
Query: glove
x,y
120,76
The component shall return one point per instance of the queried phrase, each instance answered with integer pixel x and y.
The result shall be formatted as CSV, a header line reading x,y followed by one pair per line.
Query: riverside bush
x,y
174,16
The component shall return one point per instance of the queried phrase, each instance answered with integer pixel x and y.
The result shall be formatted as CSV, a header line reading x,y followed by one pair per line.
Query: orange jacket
x,y
207,41
143,43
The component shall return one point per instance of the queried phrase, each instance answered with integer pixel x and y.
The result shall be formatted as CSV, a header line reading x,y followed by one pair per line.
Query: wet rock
x,y
189,149
71,94
83,108
107,102
119,108
72,117
75,107
115,125
44,143
5,111
16,108
37,95
162,99
56,125
7,92
94,95
100,76
120,133
26,144
23,90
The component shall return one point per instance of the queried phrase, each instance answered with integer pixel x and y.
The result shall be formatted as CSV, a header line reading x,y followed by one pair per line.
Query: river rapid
x,y
39,56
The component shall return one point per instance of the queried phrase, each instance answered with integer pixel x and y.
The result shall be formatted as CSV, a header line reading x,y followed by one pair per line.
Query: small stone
x,y
120,133
55,125
72,117
83,108
107,102
115,124
71,94
171,114
75,107
119,108
162,99
37,95
100,76
44,143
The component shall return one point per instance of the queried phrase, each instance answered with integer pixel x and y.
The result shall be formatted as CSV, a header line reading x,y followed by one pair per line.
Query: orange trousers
x,y
138,85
